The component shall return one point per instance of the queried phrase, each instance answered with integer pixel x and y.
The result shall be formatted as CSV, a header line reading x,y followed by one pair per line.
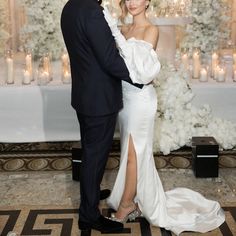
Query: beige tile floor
x,y
26,191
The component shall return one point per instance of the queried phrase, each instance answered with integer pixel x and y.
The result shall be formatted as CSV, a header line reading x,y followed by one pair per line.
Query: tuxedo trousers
x,y
96,139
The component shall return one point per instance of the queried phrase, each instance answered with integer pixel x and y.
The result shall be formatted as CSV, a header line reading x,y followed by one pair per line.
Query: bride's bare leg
x,y
127,201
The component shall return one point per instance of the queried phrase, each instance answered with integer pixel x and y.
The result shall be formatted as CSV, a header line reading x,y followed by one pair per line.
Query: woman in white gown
x,y
138,188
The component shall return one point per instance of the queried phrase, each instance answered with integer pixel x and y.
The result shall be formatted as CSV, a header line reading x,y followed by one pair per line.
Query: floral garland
x,y
43,33
3,33
177,120
208,30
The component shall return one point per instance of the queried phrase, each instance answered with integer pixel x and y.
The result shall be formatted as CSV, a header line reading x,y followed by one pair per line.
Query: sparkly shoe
x,y
131,216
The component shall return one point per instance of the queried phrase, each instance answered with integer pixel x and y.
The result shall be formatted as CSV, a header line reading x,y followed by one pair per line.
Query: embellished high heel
x,y
131,216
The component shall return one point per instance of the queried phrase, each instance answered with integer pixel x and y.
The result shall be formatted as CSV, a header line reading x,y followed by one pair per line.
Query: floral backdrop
x,y
209,27
177,120
43,33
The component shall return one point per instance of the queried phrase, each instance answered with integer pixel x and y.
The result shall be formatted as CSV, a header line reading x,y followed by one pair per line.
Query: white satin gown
x,y
180,209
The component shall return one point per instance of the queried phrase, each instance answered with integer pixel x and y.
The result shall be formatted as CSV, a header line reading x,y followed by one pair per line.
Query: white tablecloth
x,y
34,113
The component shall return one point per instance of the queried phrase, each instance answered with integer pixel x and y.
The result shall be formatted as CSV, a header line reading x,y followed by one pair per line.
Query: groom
x,y
97,71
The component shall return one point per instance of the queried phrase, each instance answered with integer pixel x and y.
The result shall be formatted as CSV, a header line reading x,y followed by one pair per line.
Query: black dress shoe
x,y
105,193
103,225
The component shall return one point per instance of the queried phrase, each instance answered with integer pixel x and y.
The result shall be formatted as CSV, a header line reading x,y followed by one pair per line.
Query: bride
x,y
138,189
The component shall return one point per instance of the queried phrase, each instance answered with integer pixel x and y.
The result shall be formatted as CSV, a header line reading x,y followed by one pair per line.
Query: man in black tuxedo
x,y
97,70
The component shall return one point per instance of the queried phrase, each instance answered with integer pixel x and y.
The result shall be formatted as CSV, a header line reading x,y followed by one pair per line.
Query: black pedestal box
x,y
76,163
205,151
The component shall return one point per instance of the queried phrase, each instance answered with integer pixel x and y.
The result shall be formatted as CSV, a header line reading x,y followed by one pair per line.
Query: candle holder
x,y
43,73
46,63
66,77
204,73
221,73
26,77
29,63
9,61
196,62
185,58
214,62
65,68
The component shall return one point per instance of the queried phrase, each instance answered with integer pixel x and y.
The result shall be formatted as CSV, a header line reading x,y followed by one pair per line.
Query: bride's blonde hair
x,y
124,10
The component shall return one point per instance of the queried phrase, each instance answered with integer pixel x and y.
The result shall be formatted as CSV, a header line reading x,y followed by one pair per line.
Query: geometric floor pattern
x,y
63,222
57,156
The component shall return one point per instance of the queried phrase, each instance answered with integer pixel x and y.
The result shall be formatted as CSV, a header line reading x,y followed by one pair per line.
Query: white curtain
x,y
17,19
233,25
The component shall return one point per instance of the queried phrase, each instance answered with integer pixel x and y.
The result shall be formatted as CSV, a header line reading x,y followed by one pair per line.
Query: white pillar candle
x,y
10,72
185,61
203,75
26,77
28,65
46,64
66,77
216,70
44,78
65,59
221,75
196,65
214,62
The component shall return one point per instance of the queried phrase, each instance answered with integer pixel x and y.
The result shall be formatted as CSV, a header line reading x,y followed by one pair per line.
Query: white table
x,y
221,96
32,113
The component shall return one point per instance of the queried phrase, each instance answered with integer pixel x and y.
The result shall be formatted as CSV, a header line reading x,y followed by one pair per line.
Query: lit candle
x,y
185,61
216,70
203,75
27,77
43,78
10,74
46,64
66,77
65,59
221,75
214,62
196,64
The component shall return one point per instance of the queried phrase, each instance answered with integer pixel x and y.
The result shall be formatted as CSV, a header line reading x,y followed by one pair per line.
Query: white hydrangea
x,y
208,29
178,120
43,33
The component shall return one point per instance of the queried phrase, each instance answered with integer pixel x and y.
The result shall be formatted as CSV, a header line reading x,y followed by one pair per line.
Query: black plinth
x,y
76,163
205,151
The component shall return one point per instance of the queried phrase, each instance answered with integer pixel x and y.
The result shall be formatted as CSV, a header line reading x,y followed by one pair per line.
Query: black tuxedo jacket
x,y
96,66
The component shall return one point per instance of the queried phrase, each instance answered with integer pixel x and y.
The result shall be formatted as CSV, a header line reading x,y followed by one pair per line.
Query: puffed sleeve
x,y
139,56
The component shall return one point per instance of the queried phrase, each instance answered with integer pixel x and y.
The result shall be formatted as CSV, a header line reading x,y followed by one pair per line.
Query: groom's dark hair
x,y
100,2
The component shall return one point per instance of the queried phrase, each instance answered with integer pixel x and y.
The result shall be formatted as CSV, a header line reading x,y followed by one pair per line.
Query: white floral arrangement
x,y
177,120
43,33
209,27
4,35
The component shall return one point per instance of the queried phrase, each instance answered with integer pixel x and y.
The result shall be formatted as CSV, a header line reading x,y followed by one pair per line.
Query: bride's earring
x,y
147,6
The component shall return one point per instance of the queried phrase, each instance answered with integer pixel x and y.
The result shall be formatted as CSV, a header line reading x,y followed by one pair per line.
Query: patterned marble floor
x,y
46,203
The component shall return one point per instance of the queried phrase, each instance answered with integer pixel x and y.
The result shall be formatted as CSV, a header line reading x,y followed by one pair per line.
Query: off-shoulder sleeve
x,y
139,56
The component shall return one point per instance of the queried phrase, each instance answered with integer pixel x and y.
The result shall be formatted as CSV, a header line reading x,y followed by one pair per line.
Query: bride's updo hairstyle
x,y
124,10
